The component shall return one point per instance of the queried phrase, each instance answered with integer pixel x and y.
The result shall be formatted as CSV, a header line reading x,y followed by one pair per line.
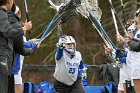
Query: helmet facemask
x,y
70,48
70,45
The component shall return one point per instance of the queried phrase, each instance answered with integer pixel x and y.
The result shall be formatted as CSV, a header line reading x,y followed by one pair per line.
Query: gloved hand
x,y
61,41
36,42
122,60
121,55
84,74
118,54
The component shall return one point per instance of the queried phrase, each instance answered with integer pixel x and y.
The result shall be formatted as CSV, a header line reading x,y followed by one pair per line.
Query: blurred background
x,y
88,42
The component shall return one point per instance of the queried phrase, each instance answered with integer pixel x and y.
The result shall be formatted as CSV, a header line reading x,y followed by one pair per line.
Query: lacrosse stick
x,y
26,12
112,8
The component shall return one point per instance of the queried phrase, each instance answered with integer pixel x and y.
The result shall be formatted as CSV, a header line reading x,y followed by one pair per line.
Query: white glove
x,y
61,41
84,74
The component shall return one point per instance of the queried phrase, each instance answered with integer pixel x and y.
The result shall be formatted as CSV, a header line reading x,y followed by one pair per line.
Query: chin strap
x,y
70,51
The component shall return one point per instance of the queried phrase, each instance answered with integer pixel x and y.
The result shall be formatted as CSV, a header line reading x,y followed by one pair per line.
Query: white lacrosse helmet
x,y
132,27
70,39
138,12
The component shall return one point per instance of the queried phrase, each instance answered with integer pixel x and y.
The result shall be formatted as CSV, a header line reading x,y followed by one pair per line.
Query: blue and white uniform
x,y
67,66
125,73
126,70
18,62
134,57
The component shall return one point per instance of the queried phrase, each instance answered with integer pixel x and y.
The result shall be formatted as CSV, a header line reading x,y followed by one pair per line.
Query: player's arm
x,y
60,48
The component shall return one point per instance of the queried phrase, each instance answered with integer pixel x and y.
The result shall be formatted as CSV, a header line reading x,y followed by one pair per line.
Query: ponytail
x,y
3,2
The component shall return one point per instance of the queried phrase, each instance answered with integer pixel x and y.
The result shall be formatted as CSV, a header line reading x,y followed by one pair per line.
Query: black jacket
x,y
18,41
135,45
7,33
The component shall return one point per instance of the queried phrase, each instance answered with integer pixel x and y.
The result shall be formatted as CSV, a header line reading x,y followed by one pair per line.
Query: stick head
x,y
89,6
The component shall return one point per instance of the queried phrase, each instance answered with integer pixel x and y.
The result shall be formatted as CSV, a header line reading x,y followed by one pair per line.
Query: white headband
x,y
16,10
